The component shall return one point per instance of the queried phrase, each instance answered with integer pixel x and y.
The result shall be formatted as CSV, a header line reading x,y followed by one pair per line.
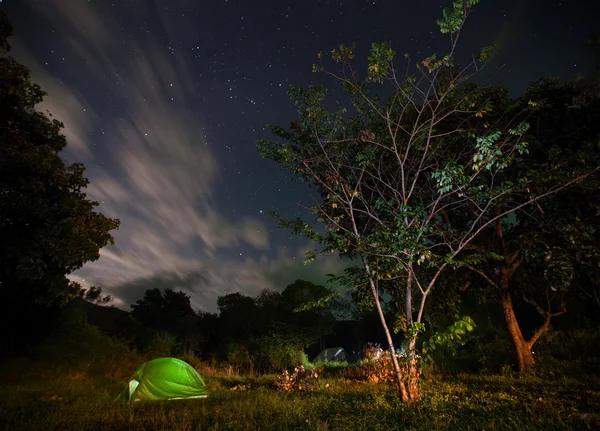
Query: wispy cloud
x,y
154,170
66,105
207,278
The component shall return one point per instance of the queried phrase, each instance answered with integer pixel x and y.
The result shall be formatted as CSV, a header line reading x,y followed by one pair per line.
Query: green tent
x,y
164,379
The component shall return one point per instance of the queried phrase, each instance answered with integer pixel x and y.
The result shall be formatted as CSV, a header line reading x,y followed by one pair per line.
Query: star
x,y
201,170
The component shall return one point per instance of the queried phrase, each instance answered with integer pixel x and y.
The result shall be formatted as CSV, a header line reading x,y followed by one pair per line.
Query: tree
x,y
310,324
394,175
208,324
170,313
162,311
48,226
274,328
239,317
550,248
95,296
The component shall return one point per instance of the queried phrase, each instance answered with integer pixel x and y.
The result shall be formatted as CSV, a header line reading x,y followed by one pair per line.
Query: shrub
x,y
381,370
162,345
239,356
571,353
272,355
487,350
299,380
76,346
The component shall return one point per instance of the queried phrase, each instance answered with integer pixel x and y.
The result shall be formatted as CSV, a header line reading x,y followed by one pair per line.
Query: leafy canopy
x,y
49,228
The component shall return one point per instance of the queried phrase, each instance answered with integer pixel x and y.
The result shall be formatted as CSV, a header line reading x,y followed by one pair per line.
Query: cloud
x,y
69,106
151,167
206,279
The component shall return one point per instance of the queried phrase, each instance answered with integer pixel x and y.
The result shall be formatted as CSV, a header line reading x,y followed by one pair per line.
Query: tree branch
x,y
547,318
484,275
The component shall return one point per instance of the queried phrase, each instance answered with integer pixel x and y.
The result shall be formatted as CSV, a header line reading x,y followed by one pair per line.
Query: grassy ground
x,y
464,402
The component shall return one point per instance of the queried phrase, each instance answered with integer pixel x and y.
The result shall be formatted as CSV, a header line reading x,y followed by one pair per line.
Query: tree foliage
x,y
545,251
48,226
162,310
275,327
409,180
171,316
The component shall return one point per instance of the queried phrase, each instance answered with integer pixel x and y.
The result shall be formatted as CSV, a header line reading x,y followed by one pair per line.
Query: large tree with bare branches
x,y
408,179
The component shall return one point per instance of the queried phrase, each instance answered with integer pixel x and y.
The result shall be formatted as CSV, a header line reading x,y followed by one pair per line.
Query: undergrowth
x,y
465,402
71,383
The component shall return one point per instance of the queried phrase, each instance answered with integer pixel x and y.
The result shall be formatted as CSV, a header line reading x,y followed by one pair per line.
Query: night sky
x,y
164,100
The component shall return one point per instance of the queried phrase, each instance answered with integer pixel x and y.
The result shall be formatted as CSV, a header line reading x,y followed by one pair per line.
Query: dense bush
x,y
569,353
487,350
74,344
162,344
240,357
273,356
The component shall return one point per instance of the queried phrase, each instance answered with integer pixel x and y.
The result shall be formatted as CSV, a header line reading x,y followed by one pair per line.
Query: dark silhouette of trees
x,y
548,250
170,313
48,226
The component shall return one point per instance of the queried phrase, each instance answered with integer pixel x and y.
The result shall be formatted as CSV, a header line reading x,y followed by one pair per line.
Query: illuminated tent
x,y
332,354
164,379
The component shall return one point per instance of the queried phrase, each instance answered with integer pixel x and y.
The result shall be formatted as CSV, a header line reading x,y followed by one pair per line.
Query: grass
x,y
462,402
330,364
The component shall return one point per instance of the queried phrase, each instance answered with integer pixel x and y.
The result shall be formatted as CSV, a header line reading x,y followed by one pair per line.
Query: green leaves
x,y
344,54
309,257
559,271
521,128
487,52
452,174
488,155
415,329
453,18
379,62
432,64
318,303
453,336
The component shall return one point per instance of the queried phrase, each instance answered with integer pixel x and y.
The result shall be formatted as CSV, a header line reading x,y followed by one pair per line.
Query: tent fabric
x,y
332,354
164,379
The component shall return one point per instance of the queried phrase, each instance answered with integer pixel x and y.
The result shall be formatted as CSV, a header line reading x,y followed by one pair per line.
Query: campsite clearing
x,y
458,402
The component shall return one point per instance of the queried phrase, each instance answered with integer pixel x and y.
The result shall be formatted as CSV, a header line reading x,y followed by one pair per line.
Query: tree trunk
x,y
413,374
525,358
522,348
400,382
374,290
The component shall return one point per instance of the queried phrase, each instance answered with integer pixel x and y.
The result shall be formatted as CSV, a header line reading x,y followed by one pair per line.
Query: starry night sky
x,y
164,100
